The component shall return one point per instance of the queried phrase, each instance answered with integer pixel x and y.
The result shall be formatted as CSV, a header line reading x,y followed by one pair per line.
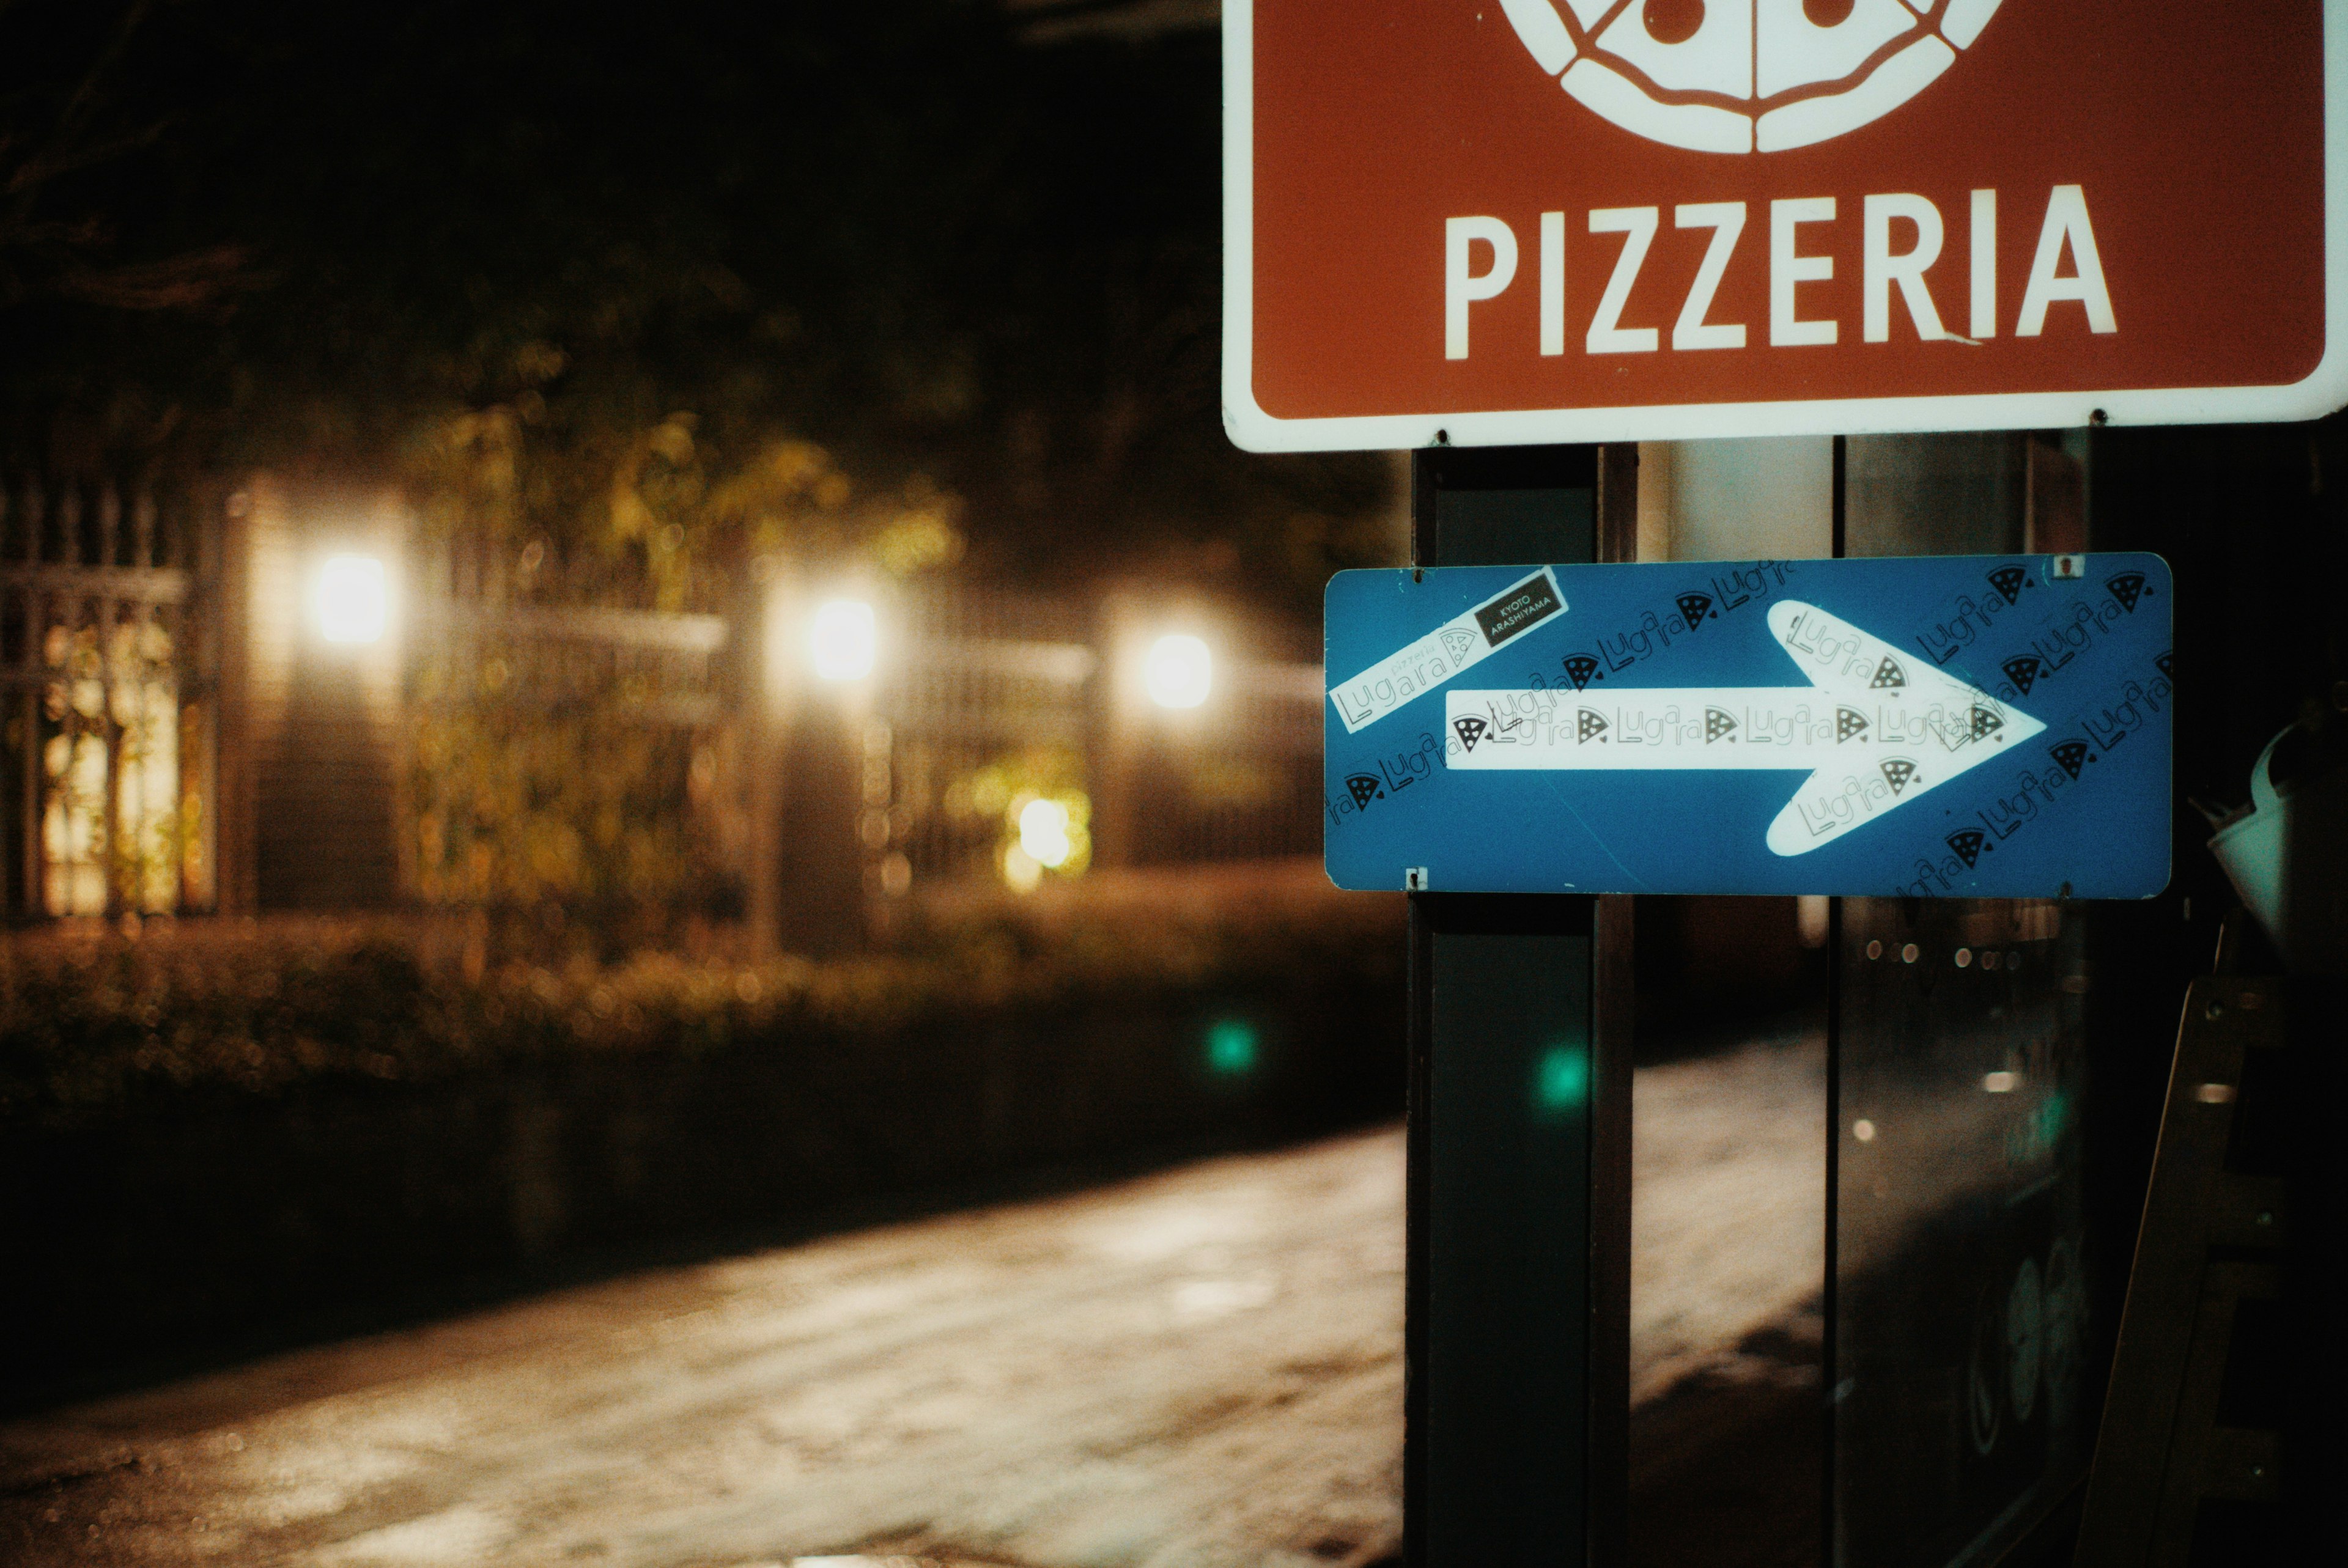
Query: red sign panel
x,y
1530,221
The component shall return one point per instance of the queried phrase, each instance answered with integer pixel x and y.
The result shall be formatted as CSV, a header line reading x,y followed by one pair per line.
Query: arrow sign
x,y
1963,726
1874,730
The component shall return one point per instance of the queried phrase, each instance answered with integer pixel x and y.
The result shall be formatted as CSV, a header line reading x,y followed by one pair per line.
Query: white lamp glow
x,y
1178,672
844,640
1044,832
352,599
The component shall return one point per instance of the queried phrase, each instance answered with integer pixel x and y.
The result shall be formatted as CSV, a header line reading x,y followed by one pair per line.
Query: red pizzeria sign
x,y
1533,220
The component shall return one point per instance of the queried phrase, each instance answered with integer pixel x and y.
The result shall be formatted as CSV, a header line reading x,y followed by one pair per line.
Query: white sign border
x,y
2322,392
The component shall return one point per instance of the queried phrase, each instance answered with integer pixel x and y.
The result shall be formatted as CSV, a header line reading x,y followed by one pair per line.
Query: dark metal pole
x,y
1829,1380
1517,1330
1612,1022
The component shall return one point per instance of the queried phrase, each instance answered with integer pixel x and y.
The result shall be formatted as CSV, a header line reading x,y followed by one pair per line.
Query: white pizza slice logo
x,y
1742,75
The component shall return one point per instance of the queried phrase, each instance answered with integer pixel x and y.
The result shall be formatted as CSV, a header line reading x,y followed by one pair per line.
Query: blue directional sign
x,y
1966,726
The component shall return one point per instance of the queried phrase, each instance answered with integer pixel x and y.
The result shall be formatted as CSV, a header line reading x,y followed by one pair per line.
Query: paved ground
x,y
1197,1368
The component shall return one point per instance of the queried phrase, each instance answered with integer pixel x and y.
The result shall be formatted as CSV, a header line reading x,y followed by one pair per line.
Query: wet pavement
x,y
1198,1367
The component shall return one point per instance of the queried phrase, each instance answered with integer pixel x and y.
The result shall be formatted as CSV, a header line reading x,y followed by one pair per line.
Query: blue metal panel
x,y
1953,726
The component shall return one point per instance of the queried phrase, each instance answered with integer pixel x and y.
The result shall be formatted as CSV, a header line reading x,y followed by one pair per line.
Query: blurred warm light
x,y
1043,833
1810,918
844,640
1178,672
2001,1082
1046,832
352,599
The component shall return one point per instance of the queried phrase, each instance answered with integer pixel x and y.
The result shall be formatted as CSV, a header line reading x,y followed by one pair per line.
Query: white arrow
x,y
1874,729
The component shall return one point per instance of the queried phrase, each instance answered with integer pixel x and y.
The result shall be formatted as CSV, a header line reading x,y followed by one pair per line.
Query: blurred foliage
x,y
96,1027
632,302
989,791
218,1130
987,802
121,691
601,270
512,805
62,115
535,779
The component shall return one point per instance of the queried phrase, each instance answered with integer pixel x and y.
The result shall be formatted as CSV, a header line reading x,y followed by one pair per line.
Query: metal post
x,y
767,706
1516,1334
1831,1552
1116,742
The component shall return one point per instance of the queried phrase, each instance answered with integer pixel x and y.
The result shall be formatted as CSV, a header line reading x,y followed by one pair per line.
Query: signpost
x,y
1954,726
1538,220
1517,1328
1482,228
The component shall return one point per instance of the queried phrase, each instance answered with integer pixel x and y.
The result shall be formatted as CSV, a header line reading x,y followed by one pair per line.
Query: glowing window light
x,y
1178,672
844,640
1043,833
352,599
1020,869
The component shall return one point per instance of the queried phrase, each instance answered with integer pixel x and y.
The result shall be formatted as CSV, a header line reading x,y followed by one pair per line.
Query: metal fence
x,y
108,657
152,688
993,696
982,698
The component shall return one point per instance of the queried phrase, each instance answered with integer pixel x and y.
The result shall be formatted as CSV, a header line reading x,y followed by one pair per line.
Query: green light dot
x,y
1231,1047
2054,1118
1562,1079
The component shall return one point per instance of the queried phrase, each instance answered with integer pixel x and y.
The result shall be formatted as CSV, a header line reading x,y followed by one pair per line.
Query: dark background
x,y
950,247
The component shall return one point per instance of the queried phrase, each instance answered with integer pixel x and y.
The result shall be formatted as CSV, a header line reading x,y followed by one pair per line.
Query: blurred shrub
x,y
228,1127
93,1028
